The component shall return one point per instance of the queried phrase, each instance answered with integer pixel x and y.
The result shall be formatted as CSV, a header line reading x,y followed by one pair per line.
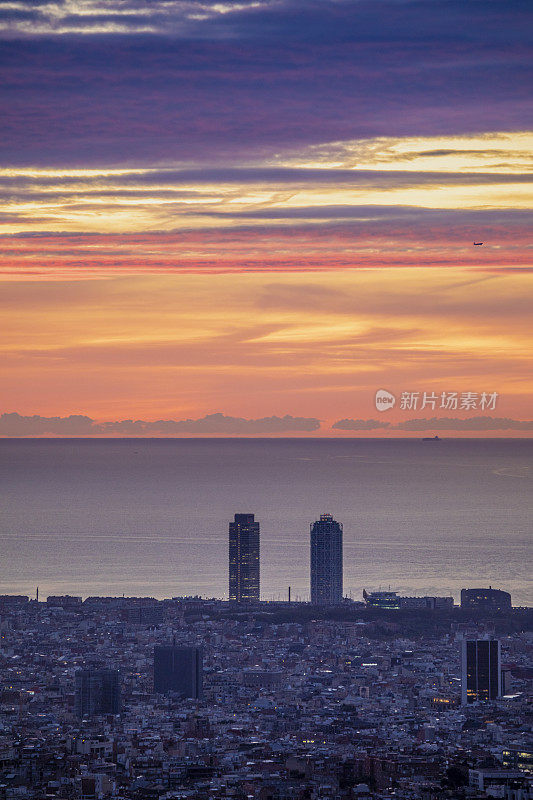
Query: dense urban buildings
x,y
480,670
326,561
299,702
387,698
179,670
244,559
97,691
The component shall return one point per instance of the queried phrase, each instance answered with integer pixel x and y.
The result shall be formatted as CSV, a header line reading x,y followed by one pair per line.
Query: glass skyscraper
x,y
480,670
97,691
326,561
244,559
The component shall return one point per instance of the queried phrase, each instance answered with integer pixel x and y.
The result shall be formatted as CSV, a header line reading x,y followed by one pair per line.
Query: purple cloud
x,y
248,83
16,425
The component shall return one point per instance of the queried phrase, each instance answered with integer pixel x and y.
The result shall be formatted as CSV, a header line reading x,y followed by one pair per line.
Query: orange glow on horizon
x,y
313,345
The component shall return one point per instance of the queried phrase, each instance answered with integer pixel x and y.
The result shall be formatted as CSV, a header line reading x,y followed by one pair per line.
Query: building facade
x,y
326,561
97,691
244,559
518,756
179,670
393,601
480,670
485,599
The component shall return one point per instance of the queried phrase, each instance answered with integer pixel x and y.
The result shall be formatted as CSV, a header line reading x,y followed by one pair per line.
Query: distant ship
x,y
431,439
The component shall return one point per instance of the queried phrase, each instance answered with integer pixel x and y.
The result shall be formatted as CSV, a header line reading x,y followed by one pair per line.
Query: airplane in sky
x,y
477,244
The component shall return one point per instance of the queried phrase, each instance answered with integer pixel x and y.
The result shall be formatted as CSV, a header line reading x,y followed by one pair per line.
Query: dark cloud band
x,y
79,425
239,81
13,425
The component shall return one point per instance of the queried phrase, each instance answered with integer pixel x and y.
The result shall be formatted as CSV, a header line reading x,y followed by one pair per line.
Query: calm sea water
x,y
150,517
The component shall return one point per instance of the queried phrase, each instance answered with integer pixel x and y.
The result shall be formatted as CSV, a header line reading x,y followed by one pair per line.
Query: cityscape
x,y
384,698
266,430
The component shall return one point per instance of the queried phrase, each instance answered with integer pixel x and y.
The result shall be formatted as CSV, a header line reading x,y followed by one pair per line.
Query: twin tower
x,y
326,560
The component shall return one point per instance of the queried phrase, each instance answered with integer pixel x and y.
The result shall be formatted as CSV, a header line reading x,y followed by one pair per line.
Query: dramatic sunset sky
x,y
244,218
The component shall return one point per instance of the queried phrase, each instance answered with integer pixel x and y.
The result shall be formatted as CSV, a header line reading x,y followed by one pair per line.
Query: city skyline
x,y
266,431
151,518
325,587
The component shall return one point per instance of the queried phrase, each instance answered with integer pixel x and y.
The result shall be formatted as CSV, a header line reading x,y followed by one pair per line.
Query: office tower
x,y
326,561
178,669
480,670
244,559
97,691
485,599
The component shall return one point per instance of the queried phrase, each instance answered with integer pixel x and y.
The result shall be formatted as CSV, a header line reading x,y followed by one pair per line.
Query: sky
x,y
247,218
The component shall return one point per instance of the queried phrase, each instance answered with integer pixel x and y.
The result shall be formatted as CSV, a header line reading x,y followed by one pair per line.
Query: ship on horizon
x,y
431,438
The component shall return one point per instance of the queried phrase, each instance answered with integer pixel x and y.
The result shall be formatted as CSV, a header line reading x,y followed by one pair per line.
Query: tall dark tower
x,y
244,559
326,561
97,692
480,670
178,669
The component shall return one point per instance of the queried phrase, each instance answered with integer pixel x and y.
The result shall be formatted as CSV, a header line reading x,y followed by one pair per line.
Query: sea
x,y
149,517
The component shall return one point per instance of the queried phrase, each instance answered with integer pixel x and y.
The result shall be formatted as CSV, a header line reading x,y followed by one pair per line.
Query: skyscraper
x,y
97,691
244,559
326,561
178,669
480,670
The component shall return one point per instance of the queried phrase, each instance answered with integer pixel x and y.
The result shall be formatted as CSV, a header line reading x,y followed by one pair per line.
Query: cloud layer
x,y
468,424
150,82
257,345
201,196
101,222
255,136
359,425
437,424
13,424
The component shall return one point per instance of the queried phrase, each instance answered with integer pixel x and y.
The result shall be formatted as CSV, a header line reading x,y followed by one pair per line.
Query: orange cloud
x,y
316,346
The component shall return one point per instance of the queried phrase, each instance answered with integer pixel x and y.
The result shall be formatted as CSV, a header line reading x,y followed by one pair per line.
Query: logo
x,y
384,400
